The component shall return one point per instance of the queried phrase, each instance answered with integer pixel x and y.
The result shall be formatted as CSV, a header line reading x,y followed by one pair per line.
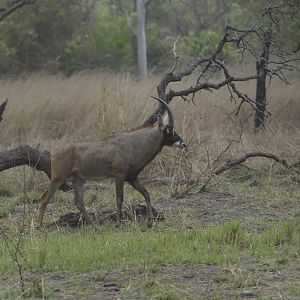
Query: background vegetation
x,y
68,36
237,237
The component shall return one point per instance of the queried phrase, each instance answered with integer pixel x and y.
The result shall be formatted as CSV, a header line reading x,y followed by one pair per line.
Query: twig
x,y
175,55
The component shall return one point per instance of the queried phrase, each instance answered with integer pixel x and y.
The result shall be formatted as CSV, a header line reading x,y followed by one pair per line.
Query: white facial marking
x,y
179,144
166,119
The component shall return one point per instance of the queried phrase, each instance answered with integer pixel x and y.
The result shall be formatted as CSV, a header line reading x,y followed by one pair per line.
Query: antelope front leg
x,y
138,186
119,181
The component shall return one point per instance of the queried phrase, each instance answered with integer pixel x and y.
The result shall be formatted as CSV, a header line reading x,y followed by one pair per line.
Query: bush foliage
x,y
67,36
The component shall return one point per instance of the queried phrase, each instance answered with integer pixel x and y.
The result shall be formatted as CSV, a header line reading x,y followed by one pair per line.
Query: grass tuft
x,y
82,251
234,233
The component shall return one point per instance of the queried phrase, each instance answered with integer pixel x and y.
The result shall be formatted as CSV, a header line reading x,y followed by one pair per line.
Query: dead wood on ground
x,y
238,161
26,155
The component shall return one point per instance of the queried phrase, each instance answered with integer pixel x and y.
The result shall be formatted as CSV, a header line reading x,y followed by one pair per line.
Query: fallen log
x,y
25,155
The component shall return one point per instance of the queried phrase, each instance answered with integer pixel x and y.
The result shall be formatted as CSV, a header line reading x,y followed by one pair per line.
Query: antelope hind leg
x,y
119,181
54,185
78,198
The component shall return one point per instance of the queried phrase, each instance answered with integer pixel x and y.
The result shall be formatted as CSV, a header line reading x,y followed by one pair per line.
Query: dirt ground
x,y
216,208
190,282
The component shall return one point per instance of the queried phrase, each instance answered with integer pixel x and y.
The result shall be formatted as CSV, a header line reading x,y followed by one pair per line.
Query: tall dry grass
x,y
47,110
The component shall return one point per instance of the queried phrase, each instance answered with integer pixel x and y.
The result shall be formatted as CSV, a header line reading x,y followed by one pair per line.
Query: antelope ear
x,y
159,122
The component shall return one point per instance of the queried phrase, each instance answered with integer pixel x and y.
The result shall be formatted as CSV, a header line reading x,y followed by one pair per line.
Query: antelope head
x,y
170,136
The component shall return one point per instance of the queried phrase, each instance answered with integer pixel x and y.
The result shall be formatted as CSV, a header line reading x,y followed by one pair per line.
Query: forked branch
x,y
274,62
208,62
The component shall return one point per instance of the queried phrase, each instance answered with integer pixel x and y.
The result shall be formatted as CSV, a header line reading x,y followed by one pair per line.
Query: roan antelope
x,y
121,156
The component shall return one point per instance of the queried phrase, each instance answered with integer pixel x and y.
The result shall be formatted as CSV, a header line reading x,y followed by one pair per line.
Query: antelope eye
x,y
170,131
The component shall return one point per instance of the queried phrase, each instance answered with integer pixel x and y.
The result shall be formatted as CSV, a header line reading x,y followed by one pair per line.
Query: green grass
x,y
87,250
7,204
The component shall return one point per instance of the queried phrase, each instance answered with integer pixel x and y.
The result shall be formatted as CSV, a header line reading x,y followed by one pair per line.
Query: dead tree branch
x,y
274,61
232,163
238,161
209,62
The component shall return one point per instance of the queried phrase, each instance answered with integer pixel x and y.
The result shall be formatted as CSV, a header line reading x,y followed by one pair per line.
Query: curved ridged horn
x,y
171,119
2,108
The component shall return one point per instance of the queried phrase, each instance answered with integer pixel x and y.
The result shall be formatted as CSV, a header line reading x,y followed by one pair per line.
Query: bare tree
x,y
207,66
273,61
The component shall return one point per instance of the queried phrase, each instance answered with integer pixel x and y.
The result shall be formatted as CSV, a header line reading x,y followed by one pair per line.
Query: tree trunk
x,y
141,38
261,99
